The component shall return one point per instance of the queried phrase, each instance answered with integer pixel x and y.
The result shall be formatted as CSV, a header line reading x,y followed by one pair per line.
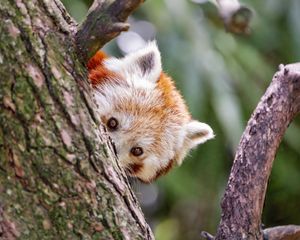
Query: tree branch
x,y
207,235
243,201
236,17
289,232
105,20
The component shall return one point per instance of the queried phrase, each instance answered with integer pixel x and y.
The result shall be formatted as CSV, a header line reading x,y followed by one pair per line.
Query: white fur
x,y
129,67
198,132
172,137
138,87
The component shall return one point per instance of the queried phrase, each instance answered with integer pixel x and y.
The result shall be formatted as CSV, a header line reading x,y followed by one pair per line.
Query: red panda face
x,y
145,115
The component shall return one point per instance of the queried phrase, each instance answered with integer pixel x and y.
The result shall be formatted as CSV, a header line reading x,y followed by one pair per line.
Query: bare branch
x,y
236,17
105,20
207,236
243,201
289,232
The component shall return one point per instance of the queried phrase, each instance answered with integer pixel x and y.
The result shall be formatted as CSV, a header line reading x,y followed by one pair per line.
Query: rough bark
x,y
243,200
58,176
289,232
106,20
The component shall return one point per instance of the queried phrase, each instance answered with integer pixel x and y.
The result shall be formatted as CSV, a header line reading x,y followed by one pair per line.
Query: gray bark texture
x,y
59,178
242,204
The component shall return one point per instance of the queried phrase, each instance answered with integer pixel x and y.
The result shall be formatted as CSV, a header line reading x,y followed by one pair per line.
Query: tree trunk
x,y
59,178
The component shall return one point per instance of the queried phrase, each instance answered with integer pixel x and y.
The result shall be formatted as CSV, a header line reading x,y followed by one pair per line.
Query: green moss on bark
x,y
57,176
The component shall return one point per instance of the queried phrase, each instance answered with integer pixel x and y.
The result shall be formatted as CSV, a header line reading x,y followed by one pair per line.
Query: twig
x,y
105,20
243,200
207,236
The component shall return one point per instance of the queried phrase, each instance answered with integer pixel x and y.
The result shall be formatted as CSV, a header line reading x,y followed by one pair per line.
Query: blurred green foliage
x,y
222,77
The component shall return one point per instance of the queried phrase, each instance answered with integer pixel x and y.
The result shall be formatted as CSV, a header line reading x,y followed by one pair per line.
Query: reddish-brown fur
x,y
97,72
172,98
150,110
134,168
164,170
96,60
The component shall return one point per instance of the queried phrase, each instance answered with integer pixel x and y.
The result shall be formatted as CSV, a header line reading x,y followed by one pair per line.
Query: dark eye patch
x,y
112,124
134,168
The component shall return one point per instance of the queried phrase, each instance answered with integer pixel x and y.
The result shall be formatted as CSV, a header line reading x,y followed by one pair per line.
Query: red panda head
x,y
145,115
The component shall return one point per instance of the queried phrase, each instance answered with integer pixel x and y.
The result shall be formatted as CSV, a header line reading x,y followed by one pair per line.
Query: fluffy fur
x,y
151,113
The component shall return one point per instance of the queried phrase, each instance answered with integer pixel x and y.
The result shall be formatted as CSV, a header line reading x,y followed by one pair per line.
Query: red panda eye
x,y
112,123
136,151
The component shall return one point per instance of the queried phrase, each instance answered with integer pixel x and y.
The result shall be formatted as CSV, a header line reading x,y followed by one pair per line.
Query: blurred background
x,y
222,77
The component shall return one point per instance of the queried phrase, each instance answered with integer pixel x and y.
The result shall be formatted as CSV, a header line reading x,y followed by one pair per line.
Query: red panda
x,y
144,113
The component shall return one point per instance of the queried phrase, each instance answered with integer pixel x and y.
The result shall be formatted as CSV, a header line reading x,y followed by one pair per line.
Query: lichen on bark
x,y
58,176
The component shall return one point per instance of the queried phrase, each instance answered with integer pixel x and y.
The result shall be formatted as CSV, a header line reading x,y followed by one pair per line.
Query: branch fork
x,y
105,21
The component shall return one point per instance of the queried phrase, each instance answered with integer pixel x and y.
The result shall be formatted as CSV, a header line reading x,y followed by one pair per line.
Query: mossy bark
x,y
58,176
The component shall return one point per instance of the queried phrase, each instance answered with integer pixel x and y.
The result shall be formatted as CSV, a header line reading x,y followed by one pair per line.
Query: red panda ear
x,y
144,63
197,133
